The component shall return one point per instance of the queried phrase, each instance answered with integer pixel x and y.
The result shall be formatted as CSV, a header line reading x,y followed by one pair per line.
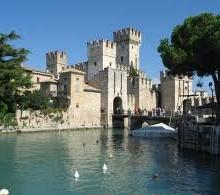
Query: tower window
x,y
95,63
132,46
38,79
65,89
122,59
110,64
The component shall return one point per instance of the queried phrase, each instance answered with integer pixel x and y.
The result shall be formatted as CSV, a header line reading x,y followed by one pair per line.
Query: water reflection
x,y
45,163
117,138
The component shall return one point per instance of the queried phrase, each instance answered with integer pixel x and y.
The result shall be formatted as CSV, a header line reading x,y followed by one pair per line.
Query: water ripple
x,y
45,163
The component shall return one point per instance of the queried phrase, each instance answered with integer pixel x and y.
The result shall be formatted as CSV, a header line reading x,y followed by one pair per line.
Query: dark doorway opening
x,y
117,106
118,118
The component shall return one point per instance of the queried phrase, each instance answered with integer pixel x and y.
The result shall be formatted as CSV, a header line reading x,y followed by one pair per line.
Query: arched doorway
x,y
118,117
117,106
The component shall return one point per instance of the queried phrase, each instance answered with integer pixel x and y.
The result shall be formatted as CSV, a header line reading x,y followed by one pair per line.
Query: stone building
x,y
102,84
56,62
83,100
174,90
37,77
177,94
109,64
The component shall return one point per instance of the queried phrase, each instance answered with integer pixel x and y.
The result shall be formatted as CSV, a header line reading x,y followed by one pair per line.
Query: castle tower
x,y
56,61
128,43
101,54
174,90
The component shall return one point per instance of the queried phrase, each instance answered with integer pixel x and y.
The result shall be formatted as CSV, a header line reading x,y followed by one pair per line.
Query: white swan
x,y
104,167
4,192
110,156
76,175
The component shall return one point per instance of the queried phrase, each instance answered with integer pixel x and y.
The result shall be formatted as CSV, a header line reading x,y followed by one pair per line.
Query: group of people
x,y
158,112
155,111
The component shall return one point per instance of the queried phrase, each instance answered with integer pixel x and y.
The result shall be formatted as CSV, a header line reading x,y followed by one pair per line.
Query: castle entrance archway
x,y
117,106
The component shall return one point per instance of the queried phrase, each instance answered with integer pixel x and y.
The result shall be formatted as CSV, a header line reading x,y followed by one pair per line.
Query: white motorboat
x,y
157,130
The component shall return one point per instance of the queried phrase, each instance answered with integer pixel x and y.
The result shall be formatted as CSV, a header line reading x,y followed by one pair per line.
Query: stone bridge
x,y
136,121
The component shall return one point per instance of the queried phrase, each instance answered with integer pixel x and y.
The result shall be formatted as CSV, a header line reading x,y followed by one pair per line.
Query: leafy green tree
x,y
13,78
24,100
194,49
38,100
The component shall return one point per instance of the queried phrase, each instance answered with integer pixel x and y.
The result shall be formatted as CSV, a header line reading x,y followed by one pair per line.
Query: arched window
x,y
122,59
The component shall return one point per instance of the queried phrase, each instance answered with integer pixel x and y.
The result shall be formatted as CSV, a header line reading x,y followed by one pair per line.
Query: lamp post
x,y
211,88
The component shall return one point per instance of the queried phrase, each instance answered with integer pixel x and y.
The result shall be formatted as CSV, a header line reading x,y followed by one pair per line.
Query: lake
x,y
44,163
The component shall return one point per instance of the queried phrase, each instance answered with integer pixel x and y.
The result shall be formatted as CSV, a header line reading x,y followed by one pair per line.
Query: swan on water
x,y
4,192
104,167
110,156
76,175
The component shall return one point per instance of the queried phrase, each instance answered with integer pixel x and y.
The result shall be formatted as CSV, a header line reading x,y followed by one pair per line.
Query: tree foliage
x,y
38,100
133,72
13,79
194,48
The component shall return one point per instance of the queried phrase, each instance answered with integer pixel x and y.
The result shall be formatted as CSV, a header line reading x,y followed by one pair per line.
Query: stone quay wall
x,y
38,120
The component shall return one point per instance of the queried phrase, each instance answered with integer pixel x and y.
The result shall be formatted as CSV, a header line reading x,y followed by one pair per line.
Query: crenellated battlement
x,y
123,67
127,34
56,61
82,66
101,43
165,76
141,73
56,57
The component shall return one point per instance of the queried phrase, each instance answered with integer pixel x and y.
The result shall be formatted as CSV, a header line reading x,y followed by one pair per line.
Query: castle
x,y
104,85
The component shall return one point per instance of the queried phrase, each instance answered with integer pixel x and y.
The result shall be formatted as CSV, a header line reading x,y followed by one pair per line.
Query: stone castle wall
x,y
59,120
174,90
37,77
106,69
141,94
56,62
112,83
101,54
127,46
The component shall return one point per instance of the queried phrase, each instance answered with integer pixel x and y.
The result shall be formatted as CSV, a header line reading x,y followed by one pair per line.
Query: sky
x,y
66,25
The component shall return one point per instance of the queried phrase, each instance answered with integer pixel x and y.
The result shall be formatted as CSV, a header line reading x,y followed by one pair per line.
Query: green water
x,y
44,164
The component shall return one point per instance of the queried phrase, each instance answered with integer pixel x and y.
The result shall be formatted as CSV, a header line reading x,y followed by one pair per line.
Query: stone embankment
x,y
35,121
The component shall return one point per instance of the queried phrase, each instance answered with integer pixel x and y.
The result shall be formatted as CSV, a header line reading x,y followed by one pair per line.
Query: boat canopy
x,y
164,126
